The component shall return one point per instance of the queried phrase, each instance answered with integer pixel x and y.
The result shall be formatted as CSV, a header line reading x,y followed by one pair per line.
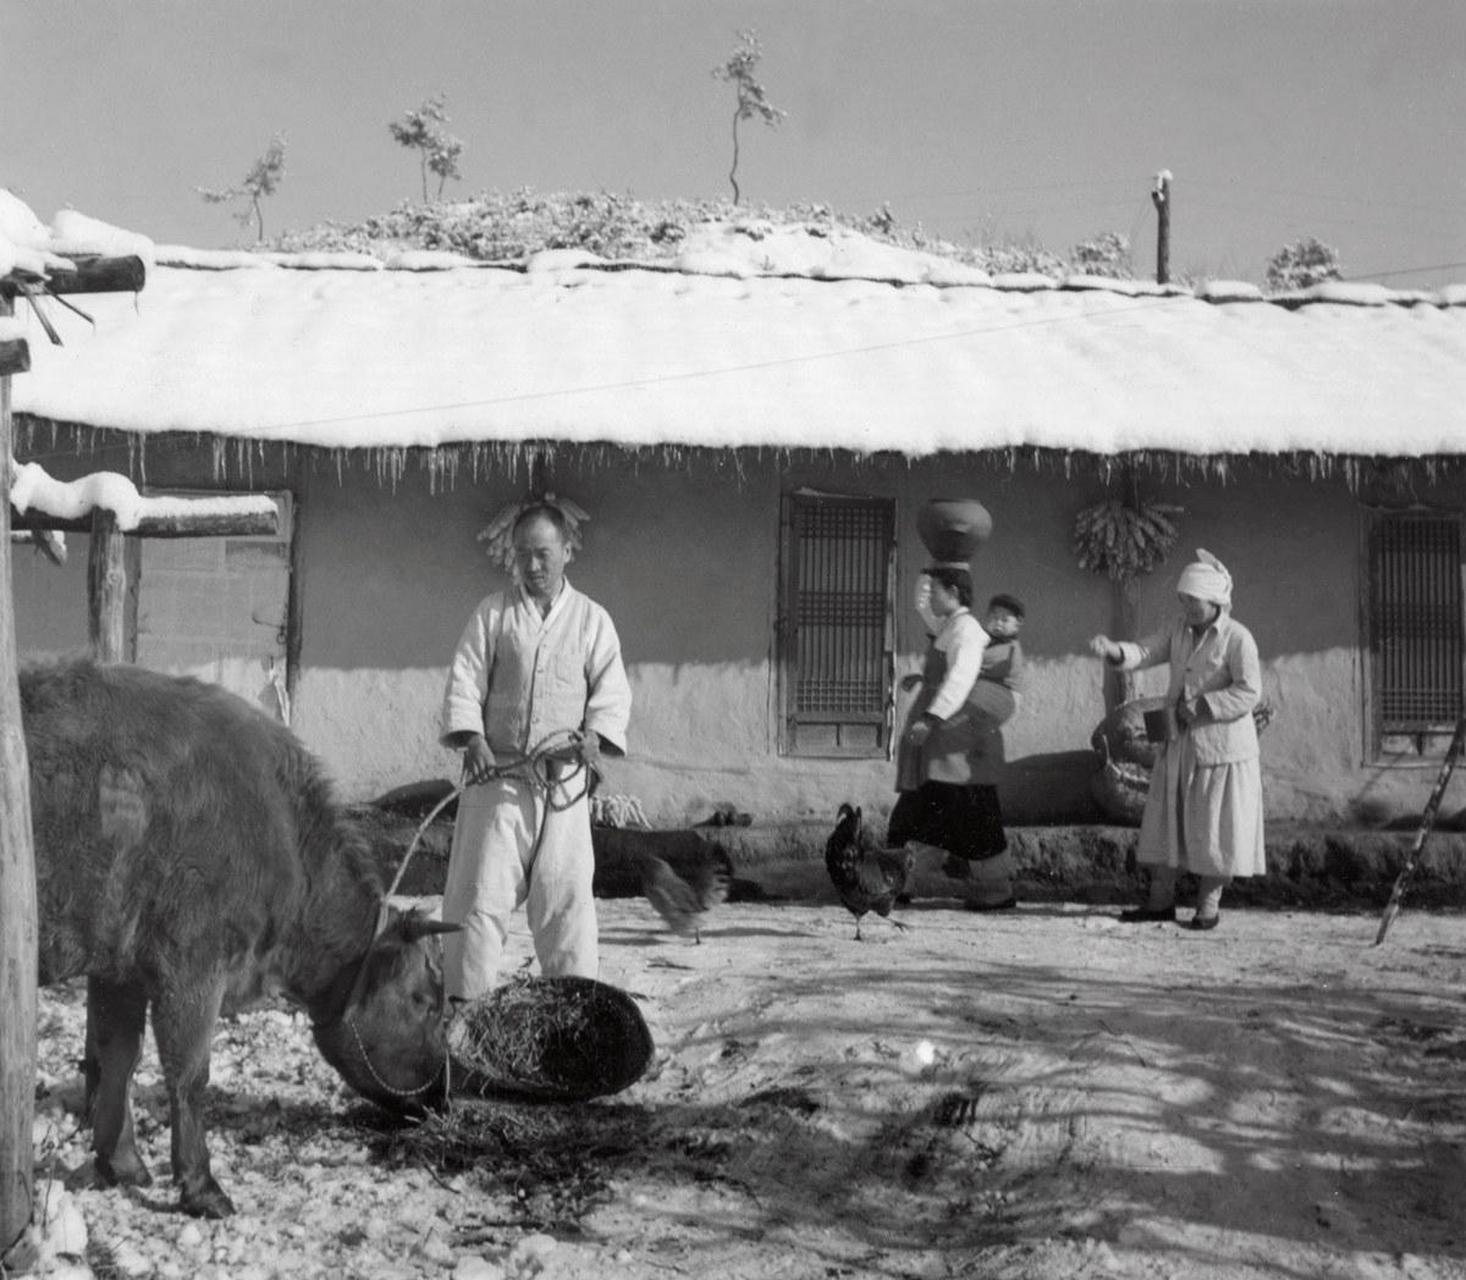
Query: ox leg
x,y
117,1015
183,1025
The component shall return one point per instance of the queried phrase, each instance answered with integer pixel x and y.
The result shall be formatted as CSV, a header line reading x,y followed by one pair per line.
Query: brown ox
x,y
189,856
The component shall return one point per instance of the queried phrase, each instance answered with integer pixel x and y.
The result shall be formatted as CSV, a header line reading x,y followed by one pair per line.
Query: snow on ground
x,y
1276,1098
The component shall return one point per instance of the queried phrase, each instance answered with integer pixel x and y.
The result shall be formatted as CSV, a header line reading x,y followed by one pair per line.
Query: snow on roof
x,y
754,335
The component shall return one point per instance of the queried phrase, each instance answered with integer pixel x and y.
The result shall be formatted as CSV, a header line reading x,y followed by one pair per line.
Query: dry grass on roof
x,y
504,226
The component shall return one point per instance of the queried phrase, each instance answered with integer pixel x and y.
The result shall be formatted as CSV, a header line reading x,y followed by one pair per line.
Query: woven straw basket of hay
x,y
1120,788
561,1039
1128,750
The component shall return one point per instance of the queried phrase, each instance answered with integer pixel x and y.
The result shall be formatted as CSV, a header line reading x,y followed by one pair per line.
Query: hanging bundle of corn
x,y
498,534
1122,540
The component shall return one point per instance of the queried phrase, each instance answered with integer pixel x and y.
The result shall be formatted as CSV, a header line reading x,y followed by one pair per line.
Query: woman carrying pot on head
x,y
1203,812
950,754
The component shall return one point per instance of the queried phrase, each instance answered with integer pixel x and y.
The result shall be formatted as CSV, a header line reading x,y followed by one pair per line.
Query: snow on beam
x,y
219,524
40,502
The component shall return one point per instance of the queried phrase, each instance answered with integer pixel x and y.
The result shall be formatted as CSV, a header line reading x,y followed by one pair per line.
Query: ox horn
x,y
416,926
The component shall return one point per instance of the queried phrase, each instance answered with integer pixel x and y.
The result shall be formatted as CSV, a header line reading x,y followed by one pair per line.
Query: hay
x,y
561,1039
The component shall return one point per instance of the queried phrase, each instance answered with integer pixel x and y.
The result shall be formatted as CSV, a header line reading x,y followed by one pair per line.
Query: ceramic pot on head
x,y
952,529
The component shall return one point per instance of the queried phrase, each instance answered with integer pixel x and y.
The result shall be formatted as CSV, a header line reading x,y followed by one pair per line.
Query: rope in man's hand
x,y
538,766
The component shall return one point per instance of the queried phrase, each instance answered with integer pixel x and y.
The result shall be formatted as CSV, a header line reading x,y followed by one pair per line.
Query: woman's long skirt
x,y
964,820
1205,819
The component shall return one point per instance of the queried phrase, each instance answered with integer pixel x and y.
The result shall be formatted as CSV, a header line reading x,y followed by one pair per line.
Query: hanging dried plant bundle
x,y
498,534
1122,540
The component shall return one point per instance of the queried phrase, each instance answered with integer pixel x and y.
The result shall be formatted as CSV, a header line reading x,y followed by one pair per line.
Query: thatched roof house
x,y
702,407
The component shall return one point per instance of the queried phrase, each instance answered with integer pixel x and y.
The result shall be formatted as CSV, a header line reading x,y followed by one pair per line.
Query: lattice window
x,y
1417,630
835,637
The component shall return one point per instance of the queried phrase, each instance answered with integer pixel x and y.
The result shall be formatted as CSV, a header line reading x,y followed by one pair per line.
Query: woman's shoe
x,y
1147,915
1210,922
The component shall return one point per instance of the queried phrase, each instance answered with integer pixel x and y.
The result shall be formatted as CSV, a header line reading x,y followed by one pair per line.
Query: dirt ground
x,y
1041,1093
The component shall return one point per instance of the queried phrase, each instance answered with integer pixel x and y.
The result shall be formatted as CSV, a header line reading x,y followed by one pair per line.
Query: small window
x,y
1416,629
835,637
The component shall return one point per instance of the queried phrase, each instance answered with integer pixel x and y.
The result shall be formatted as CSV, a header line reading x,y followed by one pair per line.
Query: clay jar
x,y
952,529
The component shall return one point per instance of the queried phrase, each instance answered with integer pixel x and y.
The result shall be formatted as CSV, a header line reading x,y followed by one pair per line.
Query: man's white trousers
x,y
501,858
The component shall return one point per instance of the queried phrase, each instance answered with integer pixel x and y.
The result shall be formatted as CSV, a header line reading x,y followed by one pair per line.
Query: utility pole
x,y
1160,195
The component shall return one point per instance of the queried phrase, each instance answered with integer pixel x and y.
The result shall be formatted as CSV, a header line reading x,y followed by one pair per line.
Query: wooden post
x,y
107,589
18,939
1160,195
1124,614
1125,602
15,356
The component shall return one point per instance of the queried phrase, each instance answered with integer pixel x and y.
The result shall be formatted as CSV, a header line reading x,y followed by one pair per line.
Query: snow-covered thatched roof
x,y
752,336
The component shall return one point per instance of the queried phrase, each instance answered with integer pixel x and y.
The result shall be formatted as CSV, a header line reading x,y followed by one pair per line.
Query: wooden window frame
x,y
1402,738
863,732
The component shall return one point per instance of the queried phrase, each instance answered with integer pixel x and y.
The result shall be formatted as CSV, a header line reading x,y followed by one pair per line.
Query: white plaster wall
x,y
374,729
683,551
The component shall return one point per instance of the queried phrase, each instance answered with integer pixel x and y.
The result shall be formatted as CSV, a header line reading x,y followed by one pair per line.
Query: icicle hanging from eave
x,y
233,459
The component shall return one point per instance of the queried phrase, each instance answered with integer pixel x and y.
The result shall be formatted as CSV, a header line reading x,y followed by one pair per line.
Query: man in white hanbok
x,y
1203,812
535,663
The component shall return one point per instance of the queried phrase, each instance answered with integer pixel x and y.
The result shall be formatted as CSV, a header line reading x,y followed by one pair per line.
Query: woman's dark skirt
x,y
965,821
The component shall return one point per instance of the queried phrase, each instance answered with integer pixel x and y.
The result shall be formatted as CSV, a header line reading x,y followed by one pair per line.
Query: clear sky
x,y
1012,120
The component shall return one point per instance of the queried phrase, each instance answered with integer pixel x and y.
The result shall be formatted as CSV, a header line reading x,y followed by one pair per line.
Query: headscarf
x,y
1206,578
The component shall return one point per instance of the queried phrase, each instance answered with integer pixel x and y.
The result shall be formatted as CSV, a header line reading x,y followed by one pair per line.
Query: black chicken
x,y
682,902
866,877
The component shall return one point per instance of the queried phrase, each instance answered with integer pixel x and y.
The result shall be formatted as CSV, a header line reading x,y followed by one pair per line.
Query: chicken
x,y
867,878
682,903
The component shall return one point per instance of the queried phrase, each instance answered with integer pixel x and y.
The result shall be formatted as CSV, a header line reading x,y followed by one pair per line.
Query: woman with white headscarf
x,y
1203,813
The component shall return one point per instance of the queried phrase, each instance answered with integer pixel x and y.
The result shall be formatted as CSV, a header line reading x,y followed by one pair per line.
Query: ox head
x,y
388,1041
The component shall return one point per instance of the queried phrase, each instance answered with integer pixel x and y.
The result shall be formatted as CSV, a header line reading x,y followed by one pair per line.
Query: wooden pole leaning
x,y
1427,825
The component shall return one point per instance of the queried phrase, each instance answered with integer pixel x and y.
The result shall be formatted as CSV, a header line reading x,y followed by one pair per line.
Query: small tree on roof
x,y
422,131
262,180
1301,264
1107,254
752,100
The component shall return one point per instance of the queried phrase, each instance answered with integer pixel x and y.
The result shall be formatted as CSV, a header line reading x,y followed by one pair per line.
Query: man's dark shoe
x,y
1147,915
1200,923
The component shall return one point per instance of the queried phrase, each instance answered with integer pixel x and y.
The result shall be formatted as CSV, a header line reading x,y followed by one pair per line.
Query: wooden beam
x,y
18,929
252,524
93,274
107,589
15,356
51,545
